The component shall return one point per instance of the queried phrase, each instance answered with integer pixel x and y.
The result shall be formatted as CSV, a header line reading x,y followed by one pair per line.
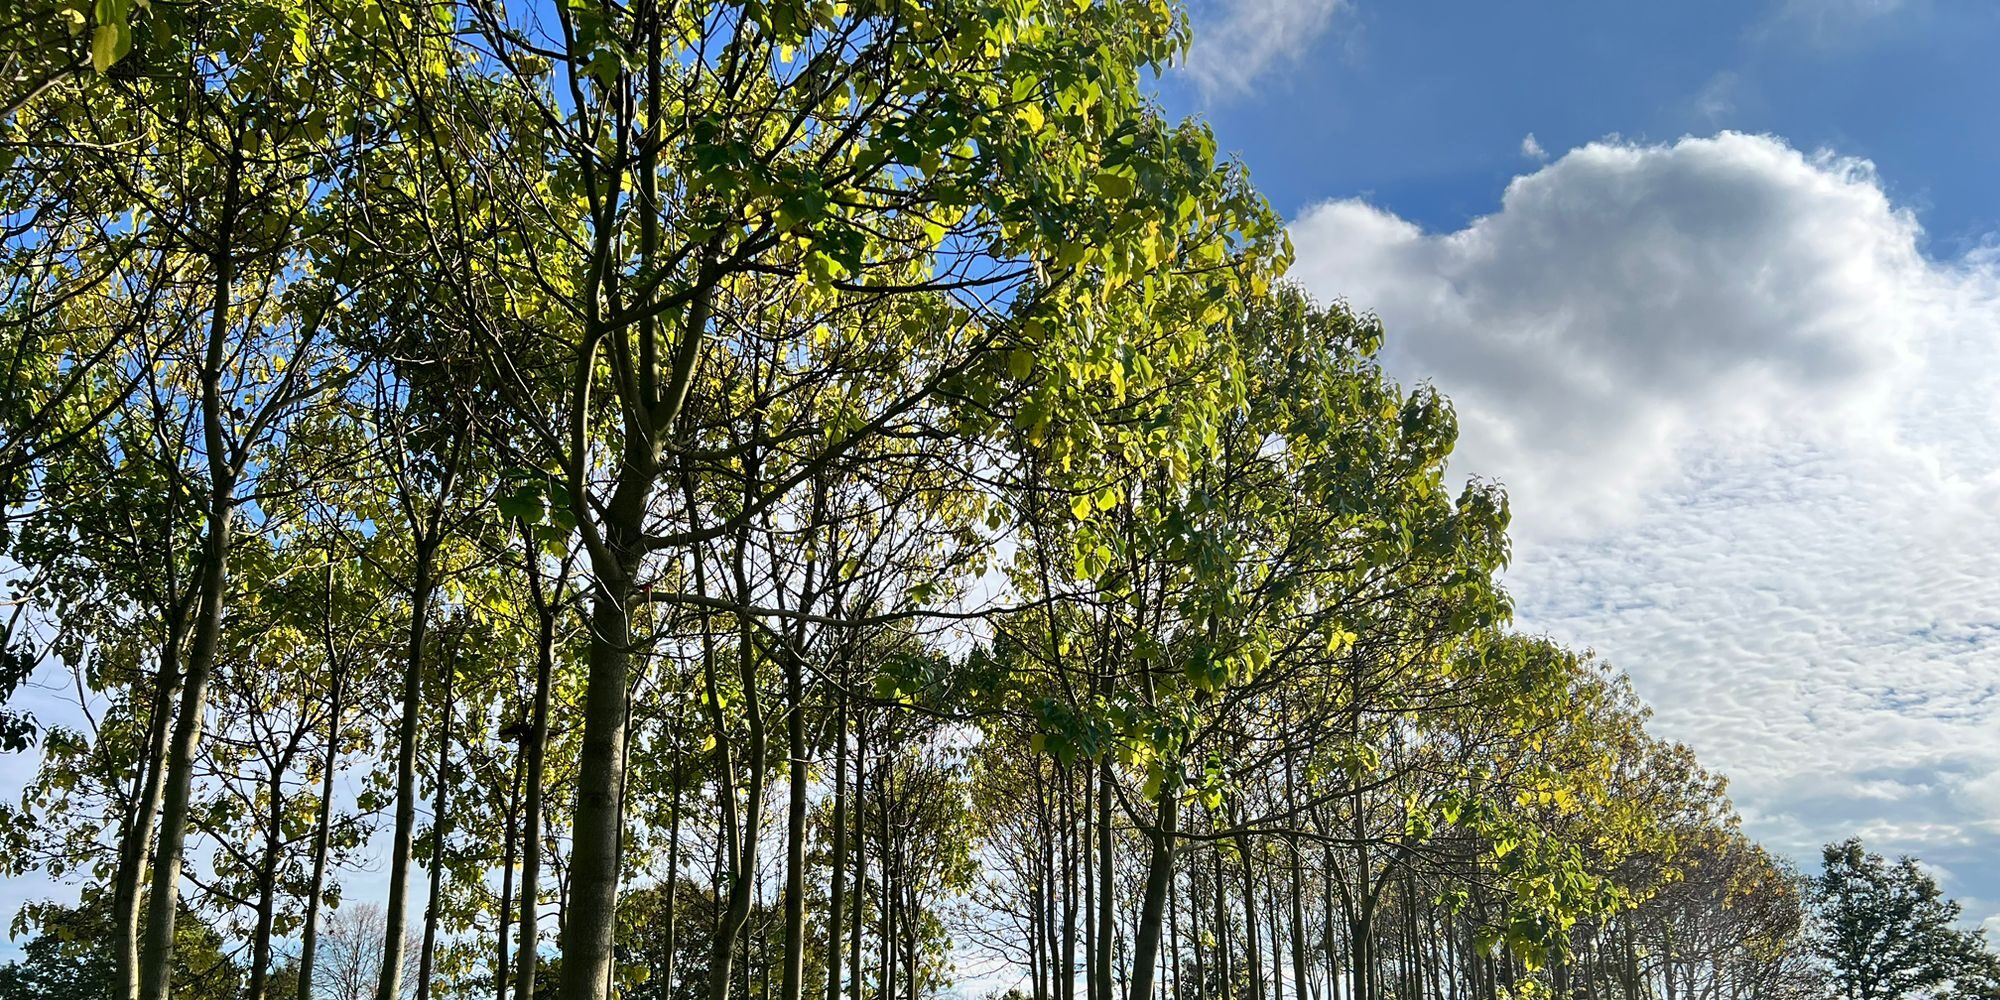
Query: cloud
x,y
1717,99
1236,42
1628,300
1825,22
1753,439
1532,148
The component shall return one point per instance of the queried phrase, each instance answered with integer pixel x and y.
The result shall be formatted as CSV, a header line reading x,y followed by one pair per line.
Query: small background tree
x,y
1887,932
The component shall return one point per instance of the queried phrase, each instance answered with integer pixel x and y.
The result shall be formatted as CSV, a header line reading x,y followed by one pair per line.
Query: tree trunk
x,y
837,884
1159,882
1277,939
744,864
129,880
440,826
591,922
267,892
1251,952
860,854
1298,918
1106,891
163,904
674,876
503,955
887,983
309,941
531,810
396,915
792,982
1222,970
1087,851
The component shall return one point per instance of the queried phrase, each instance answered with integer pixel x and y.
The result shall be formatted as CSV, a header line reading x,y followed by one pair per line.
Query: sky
x,y
1715,288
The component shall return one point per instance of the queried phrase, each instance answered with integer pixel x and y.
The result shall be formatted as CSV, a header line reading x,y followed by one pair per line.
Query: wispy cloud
x,y
1825,22
1237,42
1717,98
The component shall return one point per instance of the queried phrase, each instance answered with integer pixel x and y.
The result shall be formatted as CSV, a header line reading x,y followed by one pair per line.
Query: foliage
x,y
1887,932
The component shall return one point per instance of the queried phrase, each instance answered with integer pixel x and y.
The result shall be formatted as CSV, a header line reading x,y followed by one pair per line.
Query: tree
x,y
849,465
72,955
1889,933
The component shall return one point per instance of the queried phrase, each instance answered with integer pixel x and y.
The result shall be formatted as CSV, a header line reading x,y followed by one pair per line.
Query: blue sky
x,y
1422,104
1714,288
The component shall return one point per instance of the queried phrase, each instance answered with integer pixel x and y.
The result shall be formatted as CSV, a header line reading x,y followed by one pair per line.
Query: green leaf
x,y
108,44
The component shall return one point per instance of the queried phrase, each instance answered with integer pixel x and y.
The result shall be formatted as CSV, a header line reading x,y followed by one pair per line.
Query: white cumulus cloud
x,y
1627,300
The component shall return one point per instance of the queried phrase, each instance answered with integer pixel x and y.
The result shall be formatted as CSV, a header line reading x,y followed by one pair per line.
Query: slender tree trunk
x,y
1327,943
440,826
163,903
837,884
1174,923
155,958
1159,882
590,923
1298,917
674,877
531,818
1039,863
267,892
396,915
860,855
1277,939
1065,803
503,955
792,982
1250,948
890,900
1106,891
1087,851
744,864
1222,956
322,836
1194,931
129,881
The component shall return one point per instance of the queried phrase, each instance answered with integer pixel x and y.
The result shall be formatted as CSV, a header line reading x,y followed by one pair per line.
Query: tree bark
x,y
792,982
502,956
837,887
129,881
1106,893
597,828
440,826
163,904
531,810
395,916
1159,881
860,854
322,836
744,864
